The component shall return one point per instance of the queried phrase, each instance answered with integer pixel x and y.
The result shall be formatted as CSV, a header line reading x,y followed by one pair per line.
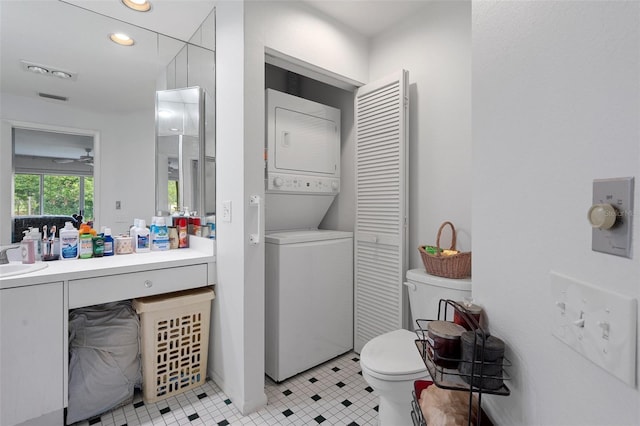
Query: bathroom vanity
x,y
34,312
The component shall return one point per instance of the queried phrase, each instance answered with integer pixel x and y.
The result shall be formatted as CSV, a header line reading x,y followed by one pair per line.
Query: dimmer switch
x,y
611,215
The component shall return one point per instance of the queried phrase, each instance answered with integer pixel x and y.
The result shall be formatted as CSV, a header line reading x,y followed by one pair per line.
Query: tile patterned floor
x,y
333,393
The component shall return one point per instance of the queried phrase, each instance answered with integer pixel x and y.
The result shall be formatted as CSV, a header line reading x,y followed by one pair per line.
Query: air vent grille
x,y
53,97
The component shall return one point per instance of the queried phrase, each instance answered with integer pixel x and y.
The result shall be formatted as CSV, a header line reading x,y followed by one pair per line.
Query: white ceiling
x,y
72,36
368,17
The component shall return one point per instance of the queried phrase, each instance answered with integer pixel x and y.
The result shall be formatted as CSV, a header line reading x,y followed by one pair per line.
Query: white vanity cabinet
x,y
34,317
32,355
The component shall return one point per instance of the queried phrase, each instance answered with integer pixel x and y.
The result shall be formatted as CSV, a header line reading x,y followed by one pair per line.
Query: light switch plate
x,y
600,325
619,193
226,211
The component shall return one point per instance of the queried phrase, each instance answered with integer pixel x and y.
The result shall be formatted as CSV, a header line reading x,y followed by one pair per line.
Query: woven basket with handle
x,y
451,266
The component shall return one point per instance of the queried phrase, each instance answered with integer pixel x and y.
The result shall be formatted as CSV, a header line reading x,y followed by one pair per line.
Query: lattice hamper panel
x,y
175,341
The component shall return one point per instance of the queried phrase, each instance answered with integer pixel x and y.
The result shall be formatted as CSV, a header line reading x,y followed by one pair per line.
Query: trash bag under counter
x,y
104,359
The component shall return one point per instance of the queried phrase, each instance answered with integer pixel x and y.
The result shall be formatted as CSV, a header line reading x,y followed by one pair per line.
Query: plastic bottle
x,y
159,234
27,248
211,223
35,235
86,244
98,245
183,238
69,239
141,237
108,243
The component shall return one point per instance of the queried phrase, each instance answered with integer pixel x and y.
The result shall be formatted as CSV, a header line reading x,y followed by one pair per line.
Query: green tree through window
x,y
58,195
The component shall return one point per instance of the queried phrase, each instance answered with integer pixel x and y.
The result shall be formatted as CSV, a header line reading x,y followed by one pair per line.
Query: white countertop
x,y
64,270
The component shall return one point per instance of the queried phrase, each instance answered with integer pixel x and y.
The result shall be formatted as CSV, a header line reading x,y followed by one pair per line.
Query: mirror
x,y
180,184
110,91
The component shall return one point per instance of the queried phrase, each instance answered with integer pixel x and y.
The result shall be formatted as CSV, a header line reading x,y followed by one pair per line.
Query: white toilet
x,y
391,362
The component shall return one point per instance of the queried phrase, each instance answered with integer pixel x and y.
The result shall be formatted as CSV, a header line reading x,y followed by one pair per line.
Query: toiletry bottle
x,y
86,242
27,248
108,243
211,223
35,235
69,239
159,234
98,245
183,238
141,238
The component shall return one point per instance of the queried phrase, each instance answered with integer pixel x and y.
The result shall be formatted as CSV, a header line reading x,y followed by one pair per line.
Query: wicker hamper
x,y
451,266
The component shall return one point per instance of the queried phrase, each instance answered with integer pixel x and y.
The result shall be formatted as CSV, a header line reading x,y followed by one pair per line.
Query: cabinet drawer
x,y
92,291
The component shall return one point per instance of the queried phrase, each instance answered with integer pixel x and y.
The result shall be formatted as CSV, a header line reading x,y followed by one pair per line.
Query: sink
x,y
18,268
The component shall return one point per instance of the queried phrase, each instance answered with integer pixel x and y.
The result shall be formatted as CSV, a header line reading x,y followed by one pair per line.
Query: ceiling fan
x,y
85,159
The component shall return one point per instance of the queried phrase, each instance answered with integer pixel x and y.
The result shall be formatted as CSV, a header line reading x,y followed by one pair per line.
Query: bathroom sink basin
x,y
18,268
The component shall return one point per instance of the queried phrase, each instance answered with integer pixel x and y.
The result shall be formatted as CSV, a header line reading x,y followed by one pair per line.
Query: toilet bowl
x,y
391,362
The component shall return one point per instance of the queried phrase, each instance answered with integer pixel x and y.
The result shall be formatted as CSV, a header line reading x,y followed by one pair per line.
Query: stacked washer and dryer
x,y
309,271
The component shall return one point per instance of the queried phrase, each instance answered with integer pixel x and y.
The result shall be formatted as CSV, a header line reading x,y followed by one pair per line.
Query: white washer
x,y
308,299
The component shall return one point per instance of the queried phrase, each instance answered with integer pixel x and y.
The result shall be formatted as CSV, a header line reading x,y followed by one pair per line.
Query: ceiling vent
x,y
53,97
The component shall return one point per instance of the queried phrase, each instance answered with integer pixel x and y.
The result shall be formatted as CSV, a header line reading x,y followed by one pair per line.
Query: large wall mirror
x,y
60,72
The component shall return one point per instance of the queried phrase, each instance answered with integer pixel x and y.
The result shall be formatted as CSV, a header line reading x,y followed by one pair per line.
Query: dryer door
x,y
305,143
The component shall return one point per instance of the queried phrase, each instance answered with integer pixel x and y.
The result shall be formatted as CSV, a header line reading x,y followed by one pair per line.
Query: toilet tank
x,y
425,292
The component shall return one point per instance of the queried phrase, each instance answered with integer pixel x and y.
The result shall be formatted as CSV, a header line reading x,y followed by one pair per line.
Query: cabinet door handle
x,y
148,284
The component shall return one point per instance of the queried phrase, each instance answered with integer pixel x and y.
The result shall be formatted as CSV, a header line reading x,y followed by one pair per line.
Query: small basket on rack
x,y
455,265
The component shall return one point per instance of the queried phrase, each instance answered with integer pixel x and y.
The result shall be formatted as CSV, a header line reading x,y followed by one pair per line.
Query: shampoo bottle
x,y
69,242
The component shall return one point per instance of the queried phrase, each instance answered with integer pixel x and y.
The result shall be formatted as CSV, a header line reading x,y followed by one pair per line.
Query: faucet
x,y
3,254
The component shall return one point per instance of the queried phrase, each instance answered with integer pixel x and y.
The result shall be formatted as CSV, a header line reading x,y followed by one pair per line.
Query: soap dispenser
x,y
27,248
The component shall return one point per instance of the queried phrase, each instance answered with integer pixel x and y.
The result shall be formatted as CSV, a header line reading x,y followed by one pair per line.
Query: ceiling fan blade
x,y
63,160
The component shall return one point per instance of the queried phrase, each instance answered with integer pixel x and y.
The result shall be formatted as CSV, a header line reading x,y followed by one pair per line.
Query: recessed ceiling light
x,y
138,5
37,69
121,39
165,113
174,129
61,74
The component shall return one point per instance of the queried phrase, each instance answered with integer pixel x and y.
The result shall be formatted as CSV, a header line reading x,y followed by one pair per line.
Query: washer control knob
x,y
277,182
602,216
334,185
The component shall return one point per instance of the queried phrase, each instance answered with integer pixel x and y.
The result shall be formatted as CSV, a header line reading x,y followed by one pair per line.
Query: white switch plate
x,y
226,211
607,336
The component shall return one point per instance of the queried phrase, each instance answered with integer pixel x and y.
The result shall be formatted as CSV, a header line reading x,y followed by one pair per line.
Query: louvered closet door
x,y
381,207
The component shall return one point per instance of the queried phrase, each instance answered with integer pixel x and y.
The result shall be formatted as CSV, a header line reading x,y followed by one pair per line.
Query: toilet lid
x,y
393,353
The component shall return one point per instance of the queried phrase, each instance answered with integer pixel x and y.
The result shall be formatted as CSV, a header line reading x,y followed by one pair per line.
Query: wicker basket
x,y
452,266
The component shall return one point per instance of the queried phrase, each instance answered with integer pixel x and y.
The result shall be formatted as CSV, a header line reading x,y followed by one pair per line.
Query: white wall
x,y
434,45
292,29
125,168
556,104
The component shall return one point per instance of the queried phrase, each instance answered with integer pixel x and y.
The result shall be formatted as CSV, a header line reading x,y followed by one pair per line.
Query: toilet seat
x,y
393,356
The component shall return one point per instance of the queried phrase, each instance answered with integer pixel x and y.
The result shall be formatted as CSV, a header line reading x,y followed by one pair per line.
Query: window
x,y
49,194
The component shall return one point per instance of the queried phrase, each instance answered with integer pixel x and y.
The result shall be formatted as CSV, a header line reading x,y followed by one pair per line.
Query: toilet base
x,y
394,413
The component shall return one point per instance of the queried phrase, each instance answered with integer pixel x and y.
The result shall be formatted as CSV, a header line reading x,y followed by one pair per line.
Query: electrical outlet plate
x,y
619,193
600,325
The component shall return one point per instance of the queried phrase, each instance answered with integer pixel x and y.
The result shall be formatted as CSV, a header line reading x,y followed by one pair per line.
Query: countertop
x,y
201,250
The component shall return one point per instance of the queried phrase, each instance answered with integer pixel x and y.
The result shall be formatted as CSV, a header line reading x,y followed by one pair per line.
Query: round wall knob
x,y
277,182
602,216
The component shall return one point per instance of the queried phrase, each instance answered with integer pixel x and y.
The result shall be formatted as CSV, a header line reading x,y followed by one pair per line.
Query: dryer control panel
x,y
284,182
